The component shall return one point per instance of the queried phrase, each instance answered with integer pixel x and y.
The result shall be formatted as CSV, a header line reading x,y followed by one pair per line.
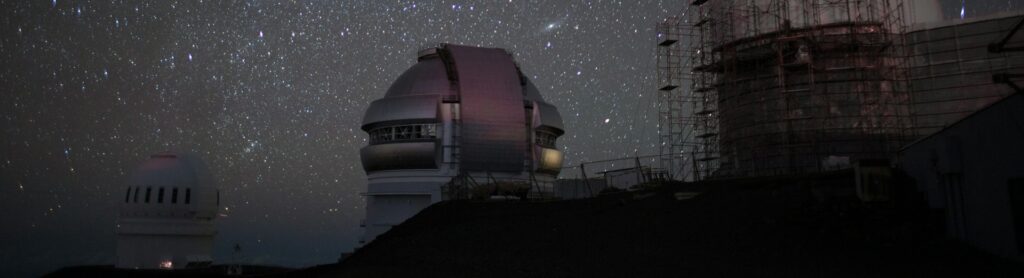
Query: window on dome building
x,y
148,190
188,195
160,196
174,195
399,133
406,132
546,139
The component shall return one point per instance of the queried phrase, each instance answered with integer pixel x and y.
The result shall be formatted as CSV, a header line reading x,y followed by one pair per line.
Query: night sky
x,y
271,96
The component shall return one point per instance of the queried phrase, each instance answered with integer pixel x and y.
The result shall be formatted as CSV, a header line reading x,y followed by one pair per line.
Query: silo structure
x,y
461,113
788,87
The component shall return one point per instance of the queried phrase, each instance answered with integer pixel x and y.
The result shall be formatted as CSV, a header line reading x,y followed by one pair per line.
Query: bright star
x,y
963,9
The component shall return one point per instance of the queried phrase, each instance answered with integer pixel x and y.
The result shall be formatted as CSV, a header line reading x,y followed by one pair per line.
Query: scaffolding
x,y
787,86
672,80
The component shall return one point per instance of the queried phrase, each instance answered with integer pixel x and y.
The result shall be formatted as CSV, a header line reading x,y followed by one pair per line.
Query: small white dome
x,y
171,185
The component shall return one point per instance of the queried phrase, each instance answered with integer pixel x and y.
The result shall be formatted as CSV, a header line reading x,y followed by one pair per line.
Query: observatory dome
x,y
459,111
483,89
171,185
167,213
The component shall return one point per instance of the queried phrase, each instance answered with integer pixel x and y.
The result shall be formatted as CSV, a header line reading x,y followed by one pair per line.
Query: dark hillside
x,y
781,227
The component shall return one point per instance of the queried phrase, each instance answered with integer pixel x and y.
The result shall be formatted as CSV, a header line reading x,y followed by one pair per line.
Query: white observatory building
x,y
167,213
460,111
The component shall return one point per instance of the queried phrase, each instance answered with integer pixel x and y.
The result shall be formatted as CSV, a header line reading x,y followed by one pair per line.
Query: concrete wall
x,y
966,169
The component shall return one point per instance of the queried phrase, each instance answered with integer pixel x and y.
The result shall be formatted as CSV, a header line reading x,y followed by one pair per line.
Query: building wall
x,y
384,211
951,68
966,170
394,196
149,251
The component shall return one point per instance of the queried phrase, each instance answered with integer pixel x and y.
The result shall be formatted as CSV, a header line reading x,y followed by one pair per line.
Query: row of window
x,y
546,139
413,132
133,195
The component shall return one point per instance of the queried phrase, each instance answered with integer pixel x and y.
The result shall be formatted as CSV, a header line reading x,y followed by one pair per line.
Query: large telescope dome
x,y
502,115
460,111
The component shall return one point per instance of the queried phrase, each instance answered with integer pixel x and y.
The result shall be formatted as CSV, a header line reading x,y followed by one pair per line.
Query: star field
x,y
271,95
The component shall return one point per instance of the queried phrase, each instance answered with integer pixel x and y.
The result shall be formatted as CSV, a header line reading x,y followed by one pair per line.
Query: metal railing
x,y
585,180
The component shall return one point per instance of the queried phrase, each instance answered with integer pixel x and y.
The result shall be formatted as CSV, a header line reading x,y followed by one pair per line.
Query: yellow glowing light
x,y
550,159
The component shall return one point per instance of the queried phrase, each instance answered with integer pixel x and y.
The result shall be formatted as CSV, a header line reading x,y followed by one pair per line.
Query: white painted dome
x,y
170,185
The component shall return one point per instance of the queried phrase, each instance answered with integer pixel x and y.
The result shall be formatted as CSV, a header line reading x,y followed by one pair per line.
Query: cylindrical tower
x,y
167,213
461,111
801,86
